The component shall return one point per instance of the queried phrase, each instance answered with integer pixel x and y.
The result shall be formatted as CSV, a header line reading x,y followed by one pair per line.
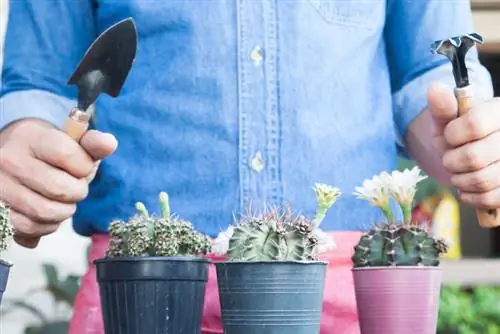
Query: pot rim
x,y
136,259
5,263
383,268
275,262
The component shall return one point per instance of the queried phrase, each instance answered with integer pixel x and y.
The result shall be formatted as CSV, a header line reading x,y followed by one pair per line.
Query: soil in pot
x,y
396,300
4,276
271,297
153,295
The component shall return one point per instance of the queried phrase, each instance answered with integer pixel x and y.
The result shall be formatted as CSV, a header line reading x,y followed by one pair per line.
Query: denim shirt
x,y
238,103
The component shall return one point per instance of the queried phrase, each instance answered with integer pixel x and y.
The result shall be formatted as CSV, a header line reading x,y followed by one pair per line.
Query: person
x,y
232,102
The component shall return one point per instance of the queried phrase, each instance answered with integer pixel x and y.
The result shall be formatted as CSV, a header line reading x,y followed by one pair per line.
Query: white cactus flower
x,y
221,243
403,185
376,190
326,195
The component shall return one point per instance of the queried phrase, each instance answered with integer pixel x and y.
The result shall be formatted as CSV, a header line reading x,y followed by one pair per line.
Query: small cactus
x,y
391,243
6,230
148,235
398,245
278,235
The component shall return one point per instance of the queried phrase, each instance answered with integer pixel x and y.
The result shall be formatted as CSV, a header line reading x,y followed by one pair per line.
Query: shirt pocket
x,y
367,14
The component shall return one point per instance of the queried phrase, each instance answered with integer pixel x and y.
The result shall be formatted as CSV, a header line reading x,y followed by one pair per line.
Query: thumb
x,y
99,145
442,105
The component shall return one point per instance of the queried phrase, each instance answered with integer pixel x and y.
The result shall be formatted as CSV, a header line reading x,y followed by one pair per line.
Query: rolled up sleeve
x,y
44,42
411,28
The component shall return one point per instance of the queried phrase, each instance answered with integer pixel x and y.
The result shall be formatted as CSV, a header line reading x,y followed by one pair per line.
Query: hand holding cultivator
x,y
455,49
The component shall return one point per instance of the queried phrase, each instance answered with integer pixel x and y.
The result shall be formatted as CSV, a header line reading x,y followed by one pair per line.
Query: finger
x,y
442,105
473,156
59,150
29,229
32,204
99,145
46,180
485,200
482,180
478,123
26,242
92,175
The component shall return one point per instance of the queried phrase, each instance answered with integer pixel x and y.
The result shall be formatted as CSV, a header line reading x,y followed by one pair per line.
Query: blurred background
x,y
43,283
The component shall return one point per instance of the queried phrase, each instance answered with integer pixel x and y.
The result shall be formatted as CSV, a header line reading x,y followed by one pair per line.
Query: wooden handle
x,y
487,218
76,124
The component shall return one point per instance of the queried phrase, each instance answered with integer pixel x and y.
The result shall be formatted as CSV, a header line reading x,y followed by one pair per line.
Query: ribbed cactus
x,y
392,243
6,231
278,235
148,235
398,245
272,236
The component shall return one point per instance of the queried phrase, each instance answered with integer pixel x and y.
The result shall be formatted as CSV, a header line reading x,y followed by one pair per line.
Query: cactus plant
x,y
394,256
398,245
281,249
277,235
392,243
6,231
154,265
150,235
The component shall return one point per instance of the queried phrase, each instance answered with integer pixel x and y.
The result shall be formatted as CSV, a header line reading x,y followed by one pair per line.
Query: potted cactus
x,y
152,278
271,256
6,233
396,271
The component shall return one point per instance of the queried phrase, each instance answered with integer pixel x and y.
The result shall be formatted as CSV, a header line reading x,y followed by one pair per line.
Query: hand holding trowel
x,y
455,49
103,68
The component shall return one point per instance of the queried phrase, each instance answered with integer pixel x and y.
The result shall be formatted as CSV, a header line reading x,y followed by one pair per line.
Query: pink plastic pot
x,y
397,300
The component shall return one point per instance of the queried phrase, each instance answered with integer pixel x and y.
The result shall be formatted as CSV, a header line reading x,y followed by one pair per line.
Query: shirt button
x,y
257,162
257,55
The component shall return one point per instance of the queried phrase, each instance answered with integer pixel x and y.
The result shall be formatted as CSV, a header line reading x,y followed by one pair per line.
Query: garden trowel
x,y
455,49
103,69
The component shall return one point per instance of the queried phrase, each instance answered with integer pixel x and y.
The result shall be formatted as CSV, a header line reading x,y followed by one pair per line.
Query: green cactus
x,y
6,230
148,235
398,245
391,243
278,235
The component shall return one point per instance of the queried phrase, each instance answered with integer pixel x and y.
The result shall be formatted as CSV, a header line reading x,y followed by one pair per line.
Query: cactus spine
x,y
148,235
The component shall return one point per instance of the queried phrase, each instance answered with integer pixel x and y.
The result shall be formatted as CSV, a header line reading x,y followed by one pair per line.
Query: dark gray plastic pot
x,y
4,277
160,295
271,297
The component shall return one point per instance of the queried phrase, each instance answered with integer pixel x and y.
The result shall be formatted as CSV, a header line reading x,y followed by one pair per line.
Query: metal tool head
x,y
106,64
455,49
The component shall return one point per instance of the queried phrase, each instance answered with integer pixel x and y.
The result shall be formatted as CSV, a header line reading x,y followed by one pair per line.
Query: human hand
x,y
469,146
44,173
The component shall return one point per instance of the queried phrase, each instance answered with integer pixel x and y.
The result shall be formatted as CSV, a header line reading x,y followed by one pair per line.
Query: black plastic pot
x,y
271,297
152,295
4,277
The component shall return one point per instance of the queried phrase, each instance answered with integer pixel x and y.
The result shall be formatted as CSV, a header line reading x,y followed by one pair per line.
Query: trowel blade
x,y
107,61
